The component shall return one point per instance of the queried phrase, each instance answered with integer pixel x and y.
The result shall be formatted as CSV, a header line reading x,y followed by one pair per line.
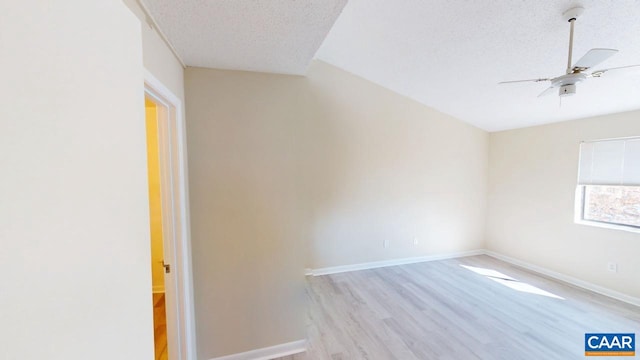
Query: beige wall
x,y
532,183
282,167
74,221
248,253
384,167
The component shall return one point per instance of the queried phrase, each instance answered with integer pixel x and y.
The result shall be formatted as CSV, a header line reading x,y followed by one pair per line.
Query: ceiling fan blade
x,y
519,81
600,72
593,57
547,92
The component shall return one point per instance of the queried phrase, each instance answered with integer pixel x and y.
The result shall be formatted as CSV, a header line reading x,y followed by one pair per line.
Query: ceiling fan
x,y
567,83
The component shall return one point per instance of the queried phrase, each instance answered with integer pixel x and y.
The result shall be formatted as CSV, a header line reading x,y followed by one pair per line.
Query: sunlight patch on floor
x,y
510,282
487,272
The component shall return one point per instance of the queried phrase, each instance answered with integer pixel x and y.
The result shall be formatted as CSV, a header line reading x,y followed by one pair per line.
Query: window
x,y
608,192
618,205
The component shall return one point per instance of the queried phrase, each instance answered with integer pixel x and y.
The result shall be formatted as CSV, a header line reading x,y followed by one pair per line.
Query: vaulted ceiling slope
x,y
448,55
278,36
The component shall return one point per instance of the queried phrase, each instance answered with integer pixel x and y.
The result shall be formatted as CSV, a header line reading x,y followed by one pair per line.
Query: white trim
x,y
535,268
578,208
271,352
612,139
181,257
394,262
566,278
151,21
610,226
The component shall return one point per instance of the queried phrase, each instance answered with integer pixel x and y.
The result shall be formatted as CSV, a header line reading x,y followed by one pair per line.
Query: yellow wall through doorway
x,y
155,203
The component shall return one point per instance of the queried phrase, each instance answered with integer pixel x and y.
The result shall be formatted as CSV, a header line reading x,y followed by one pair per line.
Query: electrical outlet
x,y
415,241
612,267
385,244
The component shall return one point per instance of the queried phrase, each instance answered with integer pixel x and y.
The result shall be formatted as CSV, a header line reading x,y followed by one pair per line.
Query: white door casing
x,y
175,220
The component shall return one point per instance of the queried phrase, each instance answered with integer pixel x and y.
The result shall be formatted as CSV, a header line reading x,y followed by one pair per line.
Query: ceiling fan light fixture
x,y
567,90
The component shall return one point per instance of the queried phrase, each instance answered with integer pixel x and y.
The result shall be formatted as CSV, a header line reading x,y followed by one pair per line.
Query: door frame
x,y
181,335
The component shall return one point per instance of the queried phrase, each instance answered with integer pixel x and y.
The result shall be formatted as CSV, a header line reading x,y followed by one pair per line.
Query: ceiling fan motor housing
x,y
567,83
567,90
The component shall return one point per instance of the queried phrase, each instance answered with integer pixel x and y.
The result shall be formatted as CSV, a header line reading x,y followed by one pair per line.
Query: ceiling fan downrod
x,y
571,16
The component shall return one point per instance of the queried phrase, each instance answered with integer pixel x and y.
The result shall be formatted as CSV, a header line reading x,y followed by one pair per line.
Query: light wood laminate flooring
x,y
160,326
442,310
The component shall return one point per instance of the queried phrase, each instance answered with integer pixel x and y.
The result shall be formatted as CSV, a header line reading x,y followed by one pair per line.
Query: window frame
x,y
579,213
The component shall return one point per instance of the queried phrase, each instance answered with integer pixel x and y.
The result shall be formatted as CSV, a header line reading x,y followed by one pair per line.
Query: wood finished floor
x,y
160,326
441,310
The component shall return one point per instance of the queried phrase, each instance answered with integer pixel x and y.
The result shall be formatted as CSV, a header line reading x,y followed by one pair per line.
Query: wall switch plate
x,y
385,244
415,241
613,267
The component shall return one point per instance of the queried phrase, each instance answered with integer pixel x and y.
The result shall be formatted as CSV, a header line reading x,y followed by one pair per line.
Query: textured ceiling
x,y
450,55
279,36
446,54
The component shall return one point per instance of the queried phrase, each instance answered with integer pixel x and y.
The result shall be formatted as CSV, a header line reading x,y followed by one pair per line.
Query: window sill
x,y
608,226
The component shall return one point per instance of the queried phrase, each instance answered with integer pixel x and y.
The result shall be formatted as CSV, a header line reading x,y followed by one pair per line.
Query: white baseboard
x,y
566,278
393,262
271,352
544,271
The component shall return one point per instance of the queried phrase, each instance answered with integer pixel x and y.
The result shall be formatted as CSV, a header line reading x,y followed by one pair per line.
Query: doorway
x,y
172,294
157,240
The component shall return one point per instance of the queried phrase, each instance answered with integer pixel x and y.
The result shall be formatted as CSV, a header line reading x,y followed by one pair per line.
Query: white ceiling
x,y
446,54
279,36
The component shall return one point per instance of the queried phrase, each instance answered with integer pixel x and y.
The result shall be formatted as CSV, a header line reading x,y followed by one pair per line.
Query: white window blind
x,y
610,162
